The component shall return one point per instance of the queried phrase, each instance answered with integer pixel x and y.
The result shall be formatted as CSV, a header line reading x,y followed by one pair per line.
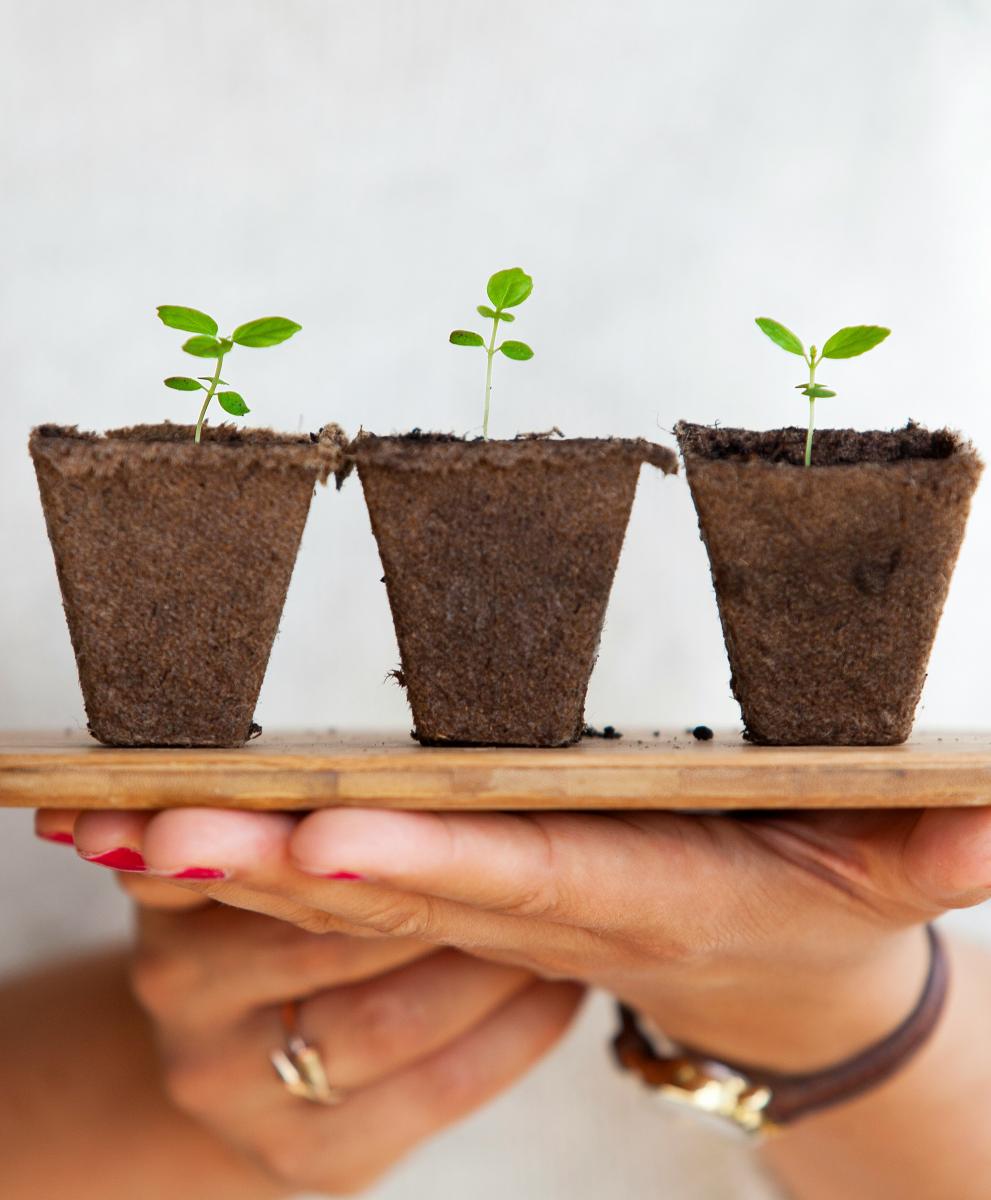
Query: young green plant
x,y
506,289
266,331
848,342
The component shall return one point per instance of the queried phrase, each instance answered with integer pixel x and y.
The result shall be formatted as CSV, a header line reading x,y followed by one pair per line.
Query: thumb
x,y
948,856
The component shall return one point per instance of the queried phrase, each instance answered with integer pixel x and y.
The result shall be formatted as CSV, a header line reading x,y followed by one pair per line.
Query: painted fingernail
x,y
121,859
63,839
199,873
344,875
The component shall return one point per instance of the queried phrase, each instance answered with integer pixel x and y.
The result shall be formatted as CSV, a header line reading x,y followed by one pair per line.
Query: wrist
x,y
799,1019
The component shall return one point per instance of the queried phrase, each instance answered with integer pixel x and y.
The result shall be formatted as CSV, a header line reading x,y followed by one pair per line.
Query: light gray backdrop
x,y
665,172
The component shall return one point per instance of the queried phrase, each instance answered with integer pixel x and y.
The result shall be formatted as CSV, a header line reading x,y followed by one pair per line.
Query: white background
x,y
666,172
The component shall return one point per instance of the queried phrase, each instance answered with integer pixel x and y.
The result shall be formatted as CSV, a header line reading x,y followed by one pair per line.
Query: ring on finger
x,y
300,1066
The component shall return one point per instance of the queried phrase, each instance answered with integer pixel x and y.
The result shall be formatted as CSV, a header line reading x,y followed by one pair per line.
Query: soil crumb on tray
x,y
702,733
607,732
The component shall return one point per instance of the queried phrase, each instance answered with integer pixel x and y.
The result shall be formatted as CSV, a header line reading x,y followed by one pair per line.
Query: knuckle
x,y
669,949
312,920
543,896
385,1025
454,1085
537,900
405,917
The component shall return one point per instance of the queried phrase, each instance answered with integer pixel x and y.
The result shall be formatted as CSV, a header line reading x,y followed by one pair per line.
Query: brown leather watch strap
x,y
795,1096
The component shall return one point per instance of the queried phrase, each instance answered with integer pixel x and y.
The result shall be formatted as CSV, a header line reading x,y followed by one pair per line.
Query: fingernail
x,y
199,873
121,859
344,875
63,839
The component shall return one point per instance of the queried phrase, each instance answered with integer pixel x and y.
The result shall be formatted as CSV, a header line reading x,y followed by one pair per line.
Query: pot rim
x,y
783,448
71,450
166,433
445,451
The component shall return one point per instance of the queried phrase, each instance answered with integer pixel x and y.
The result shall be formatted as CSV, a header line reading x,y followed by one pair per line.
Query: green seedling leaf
x,y
518,350
781,336
204,347
190,320
847,342
266,331
233,403
464,337
507,289
854,340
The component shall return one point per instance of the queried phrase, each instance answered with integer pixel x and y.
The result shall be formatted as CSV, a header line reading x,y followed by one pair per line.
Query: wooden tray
x,y
313,770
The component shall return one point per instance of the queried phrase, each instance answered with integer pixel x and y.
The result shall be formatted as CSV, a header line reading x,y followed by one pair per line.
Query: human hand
x,y
415,1037
787,940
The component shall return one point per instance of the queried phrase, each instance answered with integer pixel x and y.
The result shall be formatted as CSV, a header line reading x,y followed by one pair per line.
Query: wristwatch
x,y
760,1101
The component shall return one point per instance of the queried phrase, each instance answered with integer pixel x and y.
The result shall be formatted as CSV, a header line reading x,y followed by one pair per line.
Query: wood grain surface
x,y
640,770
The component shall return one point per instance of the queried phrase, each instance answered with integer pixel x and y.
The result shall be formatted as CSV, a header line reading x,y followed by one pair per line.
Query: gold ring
x,y
300,1066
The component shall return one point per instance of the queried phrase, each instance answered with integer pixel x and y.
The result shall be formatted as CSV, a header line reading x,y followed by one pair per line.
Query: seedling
x,y
848,342
267,331
506,289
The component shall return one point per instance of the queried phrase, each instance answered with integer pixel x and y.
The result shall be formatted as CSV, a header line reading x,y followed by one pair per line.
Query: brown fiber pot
x,y
499,558
174,560
830,579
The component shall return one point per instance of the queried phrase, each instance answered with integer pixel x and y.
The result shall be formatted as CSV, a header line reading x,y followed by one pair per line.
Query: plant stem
x,y
209,396
812,409
490,352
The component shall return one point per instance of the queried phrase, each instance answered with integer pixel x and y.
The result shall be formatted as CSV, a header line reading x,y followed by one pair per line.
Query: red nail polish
x,y
345,875
63,839
121,859
200,873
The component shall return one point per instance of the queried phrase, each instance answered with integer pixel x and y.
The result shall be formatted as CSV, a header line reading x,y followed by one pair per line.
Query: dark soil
x,y
830,580
607,732
702,733
174,560
831,447
499,558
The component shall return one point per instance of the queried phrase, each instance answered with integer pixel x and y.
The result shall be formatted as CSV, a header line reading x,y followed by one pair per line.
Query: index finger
x,y
589,870
56,824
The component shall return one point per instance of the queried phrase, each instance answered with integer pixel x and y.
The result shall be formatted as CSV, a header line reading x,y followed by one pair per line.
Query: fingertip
x,y
948,855
55,825
210,843
99,833
357,842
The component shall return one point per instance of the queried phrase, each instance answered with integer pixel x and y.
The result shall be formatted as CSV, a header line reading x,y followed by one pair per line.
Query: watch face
x,y
715,1091
683,1109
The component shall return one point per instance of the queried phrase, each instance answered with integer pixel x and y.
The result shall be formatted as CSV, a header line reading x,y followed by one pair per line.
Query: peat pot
x,y
174,560
498,558
830,579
